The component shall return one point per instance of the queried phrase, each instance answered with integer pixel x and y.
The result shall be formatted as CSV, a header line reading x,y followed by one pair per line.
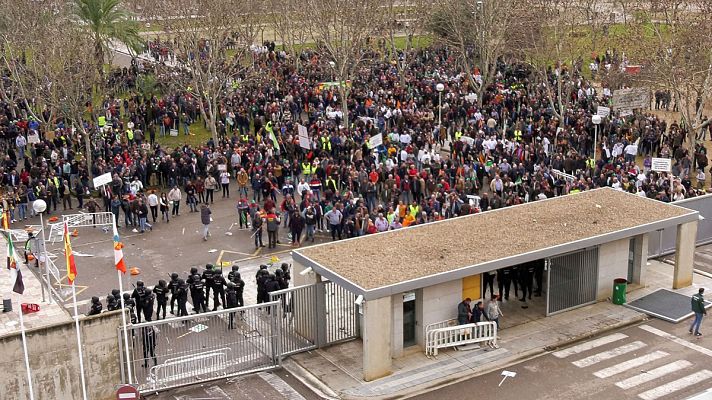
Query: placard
x,y
631,99
375,140
603,111
33,137
466,139
222,167
102,180
174,132
303,137
661,164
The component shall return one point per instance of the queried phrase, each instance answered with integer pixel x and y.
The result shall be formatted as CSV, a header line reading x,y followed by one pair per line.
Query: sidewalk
x,y
48,314
336,371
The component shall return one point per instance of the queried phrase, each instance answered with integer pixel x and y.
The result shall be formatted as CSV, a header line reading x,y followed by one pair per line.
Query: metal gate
x,y
316,315
202,347
572,280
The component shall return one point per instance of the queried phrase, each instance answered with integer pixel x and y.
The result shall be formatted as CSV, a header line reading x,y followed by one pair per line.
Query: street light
x,y
596,119
39,206
440,87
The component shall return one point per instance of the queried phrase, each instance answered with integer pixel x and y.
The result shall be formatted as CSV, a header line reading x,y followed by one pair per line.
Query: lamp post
x,y
39,206
596,119
440,87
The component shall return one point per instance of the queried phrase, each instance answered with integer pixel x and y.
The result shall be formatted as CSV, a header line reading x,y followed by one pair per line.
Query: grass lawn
x,y
200,136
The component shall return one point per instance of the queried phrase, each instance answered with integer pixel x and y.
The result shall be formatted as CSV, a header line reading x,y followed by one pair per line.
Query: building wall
x,y
612,264
397,331
439,304
54,360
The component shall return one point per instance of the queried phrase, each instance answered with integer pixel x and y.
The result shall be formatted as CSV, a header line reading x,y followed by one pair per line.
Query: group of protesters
x,y
402,154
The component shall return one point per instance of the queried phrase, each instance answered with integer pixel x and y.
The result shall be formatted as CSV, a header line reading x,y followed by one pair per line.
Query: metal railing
x,y
563,175
180,351
298,318
81,220
341,314
461,335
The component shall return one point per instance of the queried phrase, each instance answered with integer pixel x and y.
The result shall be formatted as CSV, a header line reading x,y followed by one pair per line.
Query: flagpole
x,y
79,342
24,349
123,315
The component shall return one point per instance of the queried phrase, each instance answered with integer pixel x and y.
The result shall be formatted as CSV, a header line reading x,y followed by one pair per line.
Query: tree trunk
x,y
343,92
87,145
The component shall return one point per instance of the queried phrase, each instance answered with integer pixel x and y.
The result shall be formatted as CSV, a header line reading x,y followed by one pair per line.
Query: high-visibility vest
x,y
306,168
129,134
325,143
56,182
517,135
244,138
591,163
102,121
458,135
413,211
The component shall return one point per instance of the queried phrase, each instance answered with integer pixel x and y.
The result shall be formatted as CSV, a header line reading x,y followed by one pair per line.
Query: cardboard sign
x,y
222,167
631,99
102,180
466,139
303,137
603,111
174,132
661,164
376,141
33,137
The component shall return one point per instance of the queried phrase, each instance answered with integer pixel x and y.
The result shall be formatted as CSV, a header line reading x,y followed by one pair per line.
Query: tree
x,y
288,29
408,20
343,31
480,32
674,39
106,21
212,40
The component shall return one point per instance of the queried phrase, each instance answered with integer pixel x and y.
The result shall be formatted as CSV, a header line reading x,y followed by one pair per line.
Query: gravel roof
x,y
389,258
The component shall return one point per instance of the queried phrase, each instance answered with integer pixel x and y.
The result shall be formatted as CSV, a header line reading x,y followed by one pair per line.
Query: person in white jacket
x,y
174,197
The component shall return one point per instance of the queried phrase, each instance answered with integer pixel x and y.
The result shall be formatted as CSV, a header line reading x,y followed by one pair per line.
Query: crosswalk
x,y
631,366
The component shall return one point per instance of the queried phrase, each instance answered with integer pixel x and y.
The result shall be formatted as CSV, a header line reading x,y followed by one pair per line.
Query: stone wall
x,y
54,360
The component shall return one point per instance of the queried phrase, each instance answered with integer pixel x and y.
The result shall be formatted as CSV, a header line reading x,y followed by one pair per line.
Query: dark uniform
x,y
173,286
539,276
148,336
218,290
199,296
139,295
147,305
262,278
111,303
526,277
231,276
161,292
182,296
239,287
189,282
231,302
208,278
131,306
488,281
95,306
504,277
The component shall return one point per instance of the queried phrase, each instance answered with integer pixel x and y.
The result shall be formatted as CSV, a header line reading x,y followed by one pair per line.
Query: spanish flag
x,y
15,275
69,256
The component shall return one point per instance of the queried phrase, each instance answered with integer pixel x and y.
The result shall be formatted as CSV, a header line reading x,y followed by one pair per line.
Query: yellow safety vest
x,y
458,135
102,121
325,143
306,168
591,163
245,138
517,135
129,134
413,211
56,182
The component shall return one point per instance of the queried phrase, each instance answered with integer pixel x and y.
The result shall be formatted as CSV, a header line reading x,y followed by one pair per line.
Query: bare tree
x,y
407,21
283,18
675,37
343,31
212,40
480,32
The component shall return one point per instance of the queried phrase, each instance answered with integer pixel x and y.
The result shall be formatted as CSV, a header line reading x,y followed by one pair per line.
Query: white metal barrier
x,y
56,230
179,368
563,175
460,335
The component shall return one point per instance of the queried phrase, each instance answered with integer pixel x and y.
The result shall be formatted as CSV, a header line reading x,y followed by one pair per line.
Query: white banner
x,y
466,139
303,137
661,164
603,111
375,141
631,99
102,180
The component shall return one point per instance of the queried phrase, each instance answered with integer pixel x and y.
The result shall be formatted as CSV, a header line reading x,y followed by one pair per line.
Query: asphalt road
x,y
638,362
264,385
702,261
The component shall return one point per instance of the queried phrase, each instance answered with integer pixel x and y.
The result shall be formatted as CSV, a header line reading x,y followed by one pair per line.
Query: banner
x,y
375,141
603,111
102,180
631,99
303,137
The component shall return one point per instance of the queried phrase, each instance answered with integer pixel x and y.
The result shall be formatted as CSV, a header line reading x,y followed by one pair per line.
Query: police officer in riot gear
x,y
231,302
239,288
182,296
111,303
198,287
262,278
287,273
279,277
117,295
95,306
231,275
139,296
189,282
161,292
131,306
173,286
503,282
148,339
539,276
208,278
218,290
526,273
147,305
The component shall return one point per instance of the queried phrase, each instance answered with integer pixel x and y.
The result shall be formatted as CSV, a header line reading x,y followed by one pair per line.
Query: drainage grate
x,y
665,304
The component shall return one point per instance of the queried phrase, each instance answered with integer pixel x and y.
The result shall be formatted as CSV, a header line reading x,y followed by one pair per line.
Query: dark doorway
x,y
409,319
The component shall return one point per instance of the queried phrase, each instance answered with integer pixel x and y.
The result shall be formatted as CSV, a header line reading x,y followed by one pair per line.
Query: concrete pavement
x,y
337,369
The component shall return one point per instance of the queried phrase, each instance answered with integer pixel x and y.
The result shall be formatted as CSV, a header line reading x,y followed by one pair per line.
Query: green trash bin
x,y
619,288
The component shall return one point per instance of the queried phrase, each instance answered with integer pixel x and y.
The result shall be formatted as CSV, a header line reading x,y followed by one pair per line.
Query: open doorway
x,y
522,290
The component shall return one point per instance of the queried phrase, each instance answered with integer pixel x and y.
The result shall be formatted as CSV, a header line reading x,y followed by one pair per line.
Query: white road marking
x,y
674,386
281,386
625,366
653,374
677,340
589,345
606,355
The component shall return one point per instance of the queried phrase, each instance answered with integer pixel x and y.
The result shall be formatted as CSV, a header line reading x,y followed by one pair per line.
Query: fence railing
x,y
180,351
662,242
461,335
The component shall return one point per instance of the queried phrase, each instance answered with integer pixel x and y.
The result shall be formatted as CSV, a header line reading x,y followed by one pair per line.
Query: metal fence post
x,y
321,326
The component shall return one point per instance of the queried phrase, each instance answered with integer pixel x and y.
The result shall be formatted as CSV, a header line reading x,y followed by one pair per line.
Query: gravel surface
x,y
384,259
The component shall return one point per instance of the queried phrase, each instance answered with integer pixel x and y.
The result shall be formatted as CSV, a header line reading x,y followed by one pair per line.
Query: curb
x,y
309,380
487,368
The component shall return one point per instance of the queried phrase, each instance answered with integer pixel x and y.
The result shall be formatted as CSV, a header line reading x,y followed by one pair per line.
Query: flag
x,y
6,219
69,256
270,131
15,274
118,252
